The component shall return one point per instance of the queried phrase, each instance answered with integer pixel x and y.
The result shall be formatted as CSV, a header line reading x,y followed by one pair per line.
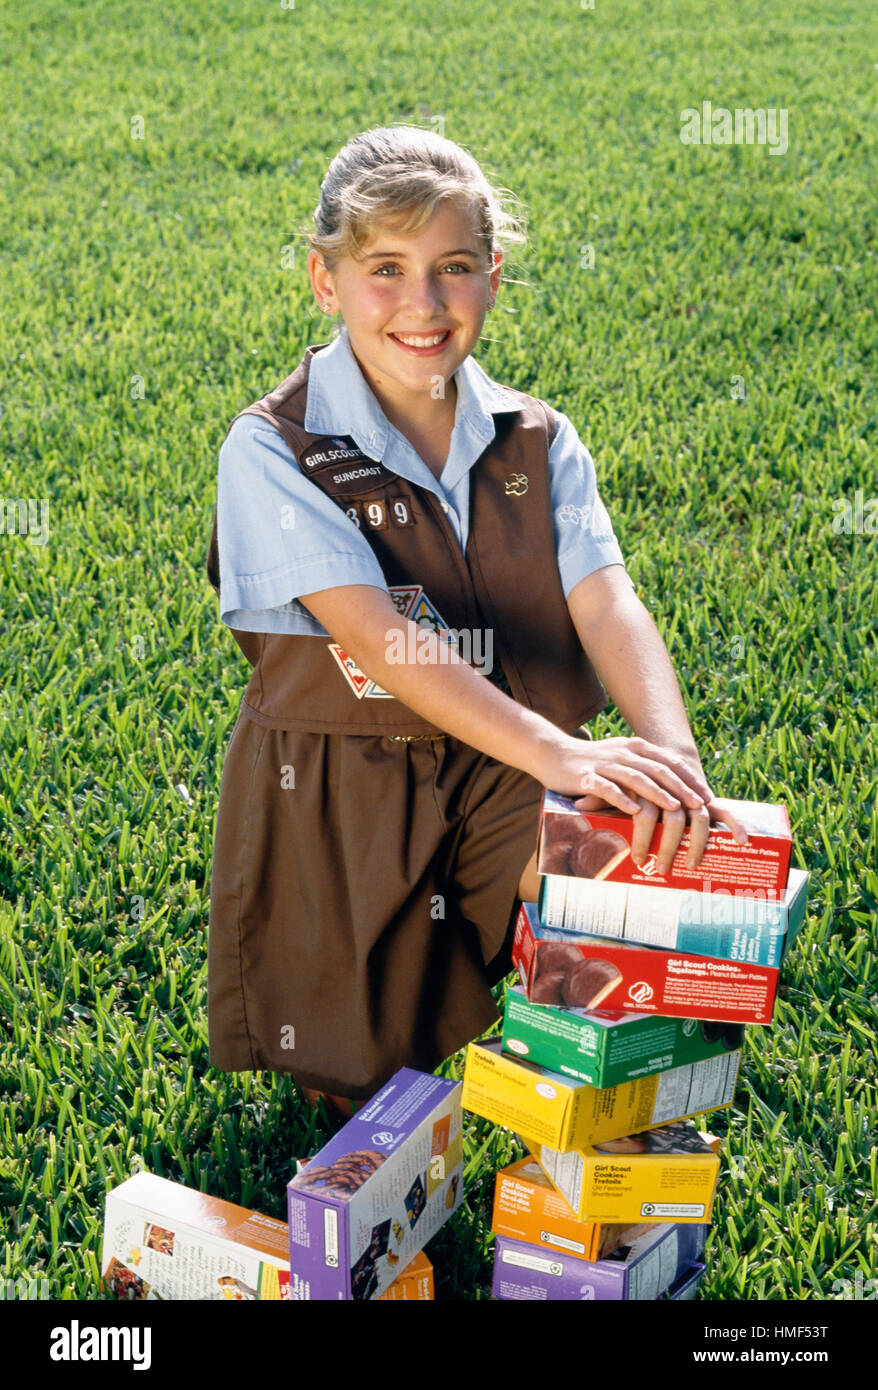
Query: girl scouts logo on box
x,y
352,470
411,602
641,992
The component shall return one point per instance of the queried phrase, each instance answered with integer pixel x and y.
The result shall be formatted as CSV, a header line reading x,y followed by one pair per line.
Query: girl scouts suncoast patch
x,y
330,452
411,602
352,470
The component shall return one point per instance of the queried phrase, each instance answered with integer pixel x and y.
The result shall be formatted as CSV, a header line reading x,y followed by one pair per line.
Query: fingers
x,y
654,776
660,773
620,784
719,811
589,803
627,773
645,803
673,825
608,791
699,829
644,828
685,769
638,781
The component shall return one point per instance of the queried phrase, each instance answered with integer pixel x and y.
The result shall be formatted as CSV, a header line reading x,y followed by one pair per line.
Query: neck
x,y
416,410
422,412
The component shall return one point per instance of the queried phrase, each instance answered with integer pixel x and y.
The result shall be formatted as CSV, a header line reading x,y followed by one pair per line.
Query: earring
x,y
326,308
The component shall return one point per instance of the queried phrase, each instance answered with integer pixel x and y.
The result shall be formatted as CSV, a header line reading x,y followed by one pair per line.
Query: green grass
x,y
160,261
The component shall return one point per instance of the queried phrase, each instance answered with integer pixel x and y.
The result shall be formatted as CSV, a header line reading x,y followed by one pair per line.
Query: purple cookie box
x,y
686,1287
320,1222
653,1264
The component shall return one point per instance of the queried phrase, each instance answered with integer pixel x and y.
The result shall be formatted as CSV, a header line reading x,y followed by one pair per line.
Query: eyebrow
x,y
401,255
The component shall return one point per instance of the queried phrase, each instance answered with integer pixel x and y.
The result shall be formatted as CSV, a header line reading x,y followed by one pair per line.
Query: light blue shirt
x,y
280,536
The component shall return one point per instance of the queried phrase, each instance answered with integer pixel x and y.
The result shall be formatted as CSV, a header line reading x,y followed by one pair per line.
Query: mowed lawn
x,y
715,349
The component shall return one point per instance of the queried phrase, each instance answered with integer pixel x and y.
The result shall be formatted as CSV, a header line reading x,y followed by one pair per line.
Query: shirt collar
x,y
340,400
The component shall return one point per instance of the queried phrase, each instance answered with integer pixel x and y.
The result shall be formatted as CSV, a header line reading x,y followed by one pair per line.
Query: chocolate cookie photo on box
x,y
343,1177
562,976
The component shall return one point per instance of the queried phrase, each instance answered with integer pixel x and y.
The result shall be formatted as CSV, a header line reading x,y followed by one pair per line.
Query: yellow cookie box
x,y
674,1185
566,1114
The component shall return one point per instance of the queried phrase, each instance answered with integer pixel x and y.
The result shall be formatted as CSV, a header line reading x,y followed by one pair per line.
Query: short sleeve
x,y
584,537
279,536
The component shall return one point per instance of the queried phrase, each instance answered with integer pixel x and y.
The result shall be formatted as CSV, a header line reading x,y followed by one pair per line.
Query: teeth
x,y
422,342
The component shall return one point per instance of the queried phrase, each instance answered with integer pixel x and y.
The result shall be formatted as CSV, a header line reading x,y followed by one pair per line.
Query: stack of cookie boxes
x,y
628,1021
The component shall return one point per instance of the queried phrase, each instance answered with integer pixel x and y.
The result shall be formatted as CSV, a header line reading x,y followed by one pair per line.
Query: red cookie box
x,y
597,845
627,978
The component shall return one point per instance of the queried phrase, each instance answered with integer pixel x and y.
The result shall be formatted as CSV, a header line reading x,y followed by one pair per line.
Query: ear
x,y
321,279
495,274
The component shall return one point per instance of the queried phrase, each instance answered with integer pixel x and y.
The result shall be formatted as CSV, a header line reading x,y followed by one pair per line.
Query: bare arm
x,y
627,651
632,662
454,697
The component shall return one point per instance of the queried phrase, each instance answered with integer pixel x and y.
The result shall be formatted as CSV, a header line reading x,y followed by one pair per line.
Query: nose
x,y
425,295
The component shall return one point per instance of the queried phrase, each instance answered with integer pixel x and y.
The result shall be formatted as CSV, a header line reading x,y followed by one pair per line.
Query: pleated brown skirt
x,y
363,895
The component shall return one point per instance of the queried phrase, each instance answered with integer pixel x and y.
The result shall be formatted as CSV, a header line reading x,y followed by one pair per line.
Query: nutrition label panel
x,y
689,1090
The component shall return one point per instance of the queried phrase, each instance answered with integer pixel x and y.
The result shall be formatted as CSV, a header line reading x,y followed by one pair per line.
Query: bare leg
x,y
339,1106
529,883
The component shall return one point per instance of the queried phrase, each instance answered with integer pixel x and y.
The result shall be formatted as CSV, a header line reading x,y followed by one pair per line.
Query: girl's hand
x,y
646,780
620,771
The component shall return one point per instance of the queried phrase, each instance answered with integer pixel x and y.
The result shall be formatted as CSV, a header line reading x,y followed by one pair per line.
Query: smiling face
x,y
433,286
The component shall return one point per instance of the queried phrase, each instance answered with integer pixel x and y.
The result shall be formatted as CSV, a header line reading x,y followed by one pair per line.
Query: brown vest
x,y
506,581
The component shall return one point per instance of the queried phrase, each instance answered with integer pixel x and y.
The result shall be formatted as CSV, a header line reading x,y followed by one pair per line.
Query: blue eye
x,y
453,265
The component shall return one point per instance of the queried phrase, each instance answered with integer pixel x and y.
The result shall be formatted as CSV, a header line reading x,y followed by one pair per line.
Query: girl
x,y
386,505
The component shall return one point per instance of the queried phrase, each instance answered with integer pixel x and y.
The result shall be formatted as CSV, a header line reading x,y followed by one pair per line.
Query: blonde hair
x,y
403,172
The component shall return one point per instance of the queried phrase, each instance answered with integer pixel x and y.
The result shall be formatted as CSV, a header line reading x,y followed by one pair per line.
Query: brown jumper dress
x,y
366,866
